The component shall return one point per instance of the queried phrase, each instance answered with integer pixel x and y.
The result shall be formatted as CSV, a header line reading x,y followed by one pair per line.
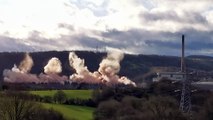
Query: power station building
x,y
174,76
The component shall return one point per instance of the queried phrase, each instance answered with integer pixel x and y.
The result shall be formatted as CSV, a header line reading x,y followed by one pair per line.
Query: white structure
x,y
174,76
204,85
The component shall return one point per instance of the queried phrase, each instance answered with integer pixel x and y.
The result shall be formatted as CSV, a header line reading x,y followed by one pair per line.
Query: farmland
x,y
81,94
71,111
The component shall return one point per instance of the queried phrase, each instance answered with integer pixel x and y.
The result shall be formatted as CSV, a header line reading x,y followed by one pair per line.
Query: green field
x,y
82,94
72,112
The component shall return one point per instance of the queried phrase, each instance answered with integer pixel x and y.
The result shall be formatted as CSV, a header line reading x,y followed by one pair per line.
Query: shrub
x,y
60,97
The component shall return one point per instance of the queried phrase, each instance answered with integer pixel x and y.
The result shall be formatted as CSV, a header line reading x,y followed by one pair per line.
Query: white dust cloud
x,y
26,65
107,72
21,74
82,73
53,66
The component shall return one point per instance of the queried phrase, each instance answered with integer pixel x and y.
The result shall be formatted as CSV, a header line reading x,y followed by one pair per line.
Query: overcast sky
x,y
134,26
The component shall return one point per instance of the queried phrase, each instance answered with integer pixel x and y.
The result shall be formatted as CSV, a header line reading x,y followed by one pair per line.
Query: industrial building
x,y
174,76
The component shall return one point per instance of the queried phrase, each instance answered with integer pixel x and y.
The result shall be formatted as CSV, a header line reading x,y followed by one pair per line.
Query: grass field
x,y
72,112
82,94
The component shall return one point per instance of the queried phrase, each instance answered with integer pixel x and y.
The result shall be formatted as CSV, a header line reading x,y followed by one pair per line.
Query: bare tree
x,y
13,106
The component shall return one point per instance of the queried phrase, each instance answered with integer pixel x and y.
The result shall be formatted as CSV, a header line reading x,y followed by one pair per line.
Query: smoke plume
x,y
111,64
26,65
51,70
21,74
53,66
19,77
107,72
82,73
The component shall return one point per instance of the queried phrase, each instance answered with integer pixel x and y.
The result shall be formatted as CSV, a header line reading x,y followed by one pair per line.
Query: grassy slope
x,y
72,112
82,94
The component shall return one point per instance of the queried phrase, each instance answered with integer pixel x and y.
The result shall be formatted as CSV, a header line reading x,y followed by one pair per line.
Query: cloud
x,y
162,42
174,15
209,16
187,17
97,6
131,41
12,44
66,26
134,26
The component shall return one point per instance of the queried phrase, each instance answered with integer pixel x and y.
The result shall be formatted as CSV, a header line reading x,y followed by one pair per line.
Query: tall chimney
x,y
182,57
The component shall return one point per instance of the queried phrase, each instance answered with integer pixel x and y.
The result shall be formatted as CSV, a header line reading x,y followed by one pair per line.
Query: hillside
x,y
132,66
200,57
71,94
71,112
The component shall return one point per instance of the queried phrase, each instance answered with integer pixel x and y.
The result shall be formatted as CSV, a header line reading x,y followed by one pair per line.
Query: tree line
x,y
14,106
158,102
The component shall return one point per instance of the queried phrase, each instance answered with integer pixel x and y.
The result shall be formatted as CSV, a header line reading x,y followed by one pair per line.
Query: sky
x,y
133,26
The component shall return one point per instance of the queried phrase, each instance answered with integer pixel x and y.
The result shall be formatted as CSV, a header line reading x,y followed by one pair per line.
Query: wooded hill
x,y
132,66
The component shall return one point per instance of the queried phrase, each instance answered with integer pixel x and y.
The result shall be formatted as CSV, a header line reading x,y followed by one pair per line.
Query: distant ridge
x,y
132,66
200,57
